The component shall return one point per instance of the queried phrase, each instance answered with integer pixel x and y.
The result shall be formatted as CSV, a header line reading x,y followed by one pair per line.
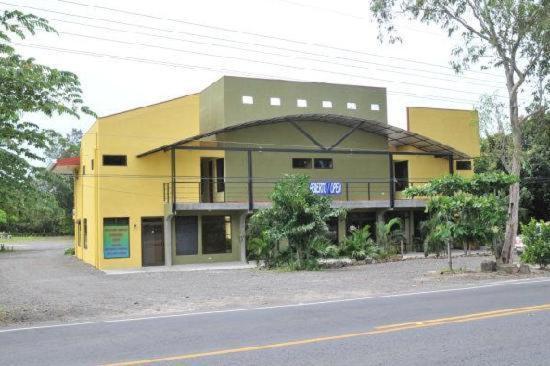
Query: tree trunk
x,y
449,253
515,169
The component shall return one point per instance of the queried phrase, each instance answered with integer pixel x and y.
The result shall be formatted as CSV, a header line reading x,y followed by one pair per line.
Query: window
x,y
401,171
351,105
374,107
301,103
187,235
463,165
116,237
327,104
114,160
85,234
78,233
220,181
322,163
247,99
83,170
301,163
275,101
216,234
92,164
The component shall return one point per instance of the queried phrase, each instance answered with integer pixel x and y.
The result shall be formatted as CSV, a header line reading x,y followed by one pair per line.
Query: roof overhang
x,y
396,137
65,165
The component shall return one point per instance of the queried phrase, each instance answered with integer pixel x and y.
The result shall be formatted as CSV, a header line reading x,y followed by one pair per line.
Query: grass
x,y
26,239
4,248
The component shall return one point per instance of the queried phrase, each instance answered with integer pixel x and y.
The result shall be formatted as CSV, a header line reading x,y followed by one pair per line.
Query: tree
x,y
496,148
510,34
28,87
463,210
297,215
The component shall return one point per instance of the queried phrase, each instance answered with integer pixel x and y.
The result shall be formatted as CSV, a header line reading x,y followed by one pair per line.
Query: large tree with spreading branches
x,y
509,35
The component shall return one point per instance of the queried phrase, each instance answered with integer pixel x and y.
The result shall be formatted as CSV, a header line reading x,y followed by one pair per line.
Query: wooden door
x,y
152,241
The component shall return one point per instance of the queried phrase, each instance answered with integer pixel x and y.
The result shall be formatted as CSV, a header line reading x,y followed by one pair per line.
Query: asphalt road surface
x,y
505,323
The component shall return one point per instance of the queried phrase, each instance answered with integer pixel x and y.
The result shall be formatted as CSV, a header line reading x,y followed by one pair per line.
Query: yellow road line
x,y
378,330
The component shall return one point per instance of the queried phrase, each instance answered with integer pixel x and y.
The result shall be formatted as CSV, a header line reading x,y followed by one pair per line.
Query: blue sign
x,y
326,188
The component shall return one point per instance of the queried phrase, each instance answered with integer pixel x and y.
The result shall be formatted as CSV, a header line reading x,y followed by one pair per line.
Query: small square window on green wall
x,y
301,163
323,163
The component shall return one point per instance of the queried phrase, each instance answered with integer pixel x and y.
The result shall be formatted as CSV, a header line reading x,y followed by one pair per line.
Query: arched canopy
x,y
396,136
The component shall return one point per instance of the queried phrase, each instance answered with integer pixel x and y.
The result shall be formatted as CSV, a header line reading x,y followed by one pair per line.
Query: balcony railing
x,y
244,190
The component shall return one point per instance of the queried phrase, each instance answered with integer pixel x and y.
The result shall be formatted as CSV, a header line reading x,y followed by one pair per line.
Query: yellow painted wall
x,y
135,190
453,127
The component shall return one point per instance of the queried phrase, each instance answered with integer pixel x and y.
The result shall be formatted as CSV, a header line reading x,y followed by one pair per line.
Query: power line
x,y
197,67
476,81
225,29
266,63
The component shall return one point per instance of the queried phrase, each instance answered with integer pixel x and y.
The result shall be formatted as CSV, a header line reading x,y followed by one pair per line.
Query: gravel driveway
x,y
39,284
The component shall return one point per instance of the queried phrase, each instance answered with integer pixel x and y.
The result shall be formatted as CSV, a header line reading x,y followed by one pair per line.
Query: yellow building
x,y
174,182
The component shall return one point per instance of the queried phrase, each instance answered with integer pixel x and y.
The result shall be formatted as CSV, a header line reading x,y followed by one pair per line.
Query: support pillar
x,y
411,229
341,229
250,188
168,239
392,180
451,165
242,236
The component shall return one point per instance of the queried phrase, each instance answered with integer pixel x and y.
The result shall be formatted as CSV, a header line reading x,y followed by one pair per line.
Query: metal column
x,y
173,164
250,188
392,181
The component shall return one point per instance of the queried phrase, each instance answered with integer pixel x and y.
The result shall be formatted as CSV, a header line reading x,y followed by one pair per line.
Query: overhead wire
x,y
236,31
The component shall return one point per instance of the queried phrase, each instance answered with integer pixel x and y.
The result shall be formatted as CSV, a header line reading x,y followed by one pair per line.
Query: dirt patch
x,y
41,284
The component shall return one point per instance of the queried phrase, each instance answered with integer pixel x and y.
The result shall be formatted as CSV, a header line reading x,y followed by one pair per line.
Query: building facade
x,y
174,183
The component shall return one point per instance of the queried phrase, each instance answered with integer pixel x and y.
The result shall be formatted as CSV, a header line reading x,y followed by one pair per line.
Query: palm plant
x,y
389,234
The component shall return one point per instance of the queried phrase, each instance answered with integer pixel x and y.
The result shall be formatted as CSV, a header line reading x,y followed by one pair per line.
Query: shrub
x,y
69,251
389,234
358,245
536,238
297,216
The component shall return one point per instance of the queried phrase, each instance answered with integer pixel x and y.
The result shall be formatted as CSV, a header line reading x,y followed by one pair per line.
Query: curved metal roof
x,y
396,136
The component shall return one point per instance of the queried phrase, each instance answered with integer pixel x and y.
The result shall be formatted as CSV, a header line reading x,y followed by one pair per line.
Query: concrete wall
x,y
453,127
230,90
272,166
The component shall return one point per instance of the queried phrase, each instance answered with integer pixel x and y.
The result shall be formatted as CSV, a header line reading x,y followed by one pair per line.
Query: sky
x,y
129,54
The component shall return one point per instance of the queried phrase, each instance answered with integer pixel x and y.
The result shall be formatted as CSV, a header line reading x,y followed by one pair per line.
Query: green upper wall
x,y
221,104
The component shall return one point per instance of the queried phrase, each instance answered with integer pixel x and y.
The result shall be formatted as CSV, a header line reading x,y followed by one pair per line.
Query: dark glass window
x,y
463,165
114,160
216,234
301,163
187,235
322,163
220,182
92,164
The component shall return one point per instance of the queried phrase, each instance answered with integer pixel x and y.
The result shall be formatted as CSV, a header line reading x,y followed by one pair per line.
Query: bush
x,y
358,245
536,238
298,217
69,251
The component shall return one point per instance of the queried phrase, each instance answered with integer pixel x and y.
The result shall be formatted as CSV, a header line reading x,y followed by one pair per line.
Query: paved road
x,y
505,323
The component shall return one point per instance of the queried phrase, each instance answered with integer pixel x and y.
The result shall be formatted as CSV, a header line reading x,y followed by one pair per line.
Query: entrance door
x,y
401,170
152,241
207,176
